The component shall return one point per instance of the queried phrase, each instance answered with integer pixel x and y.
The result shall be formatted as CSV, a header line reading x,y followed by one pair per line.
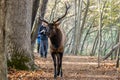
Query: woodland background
x,y
92,28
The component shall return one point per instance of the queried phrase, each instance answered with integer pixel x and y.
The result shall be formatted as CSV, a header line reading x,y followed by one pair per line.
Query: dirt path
x,y
74,68
81,68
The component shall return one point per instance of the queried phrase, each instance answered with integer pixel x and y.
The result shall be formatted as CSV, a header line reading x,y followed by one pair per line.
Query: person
x,y
43,40
38,42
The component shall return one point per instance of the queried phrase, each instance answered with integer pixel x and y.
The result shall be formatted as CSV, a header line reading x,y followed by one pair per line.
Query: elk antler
x,y
43,20
67,7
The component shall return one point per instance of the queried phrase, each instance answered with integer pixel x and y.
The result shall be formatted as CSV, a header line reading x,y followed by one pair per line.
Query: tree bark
x,y
111,51
100,34
117,40
118,52
18,34
86,36
34,10
100,29
41,13
53,12
3,63
80,25
118,58
77,28
74,32
94,46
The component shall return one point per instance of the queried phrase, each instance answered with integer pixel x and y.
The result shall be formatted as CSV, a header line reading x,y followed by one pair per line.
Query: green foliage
x,y
18,60
111,13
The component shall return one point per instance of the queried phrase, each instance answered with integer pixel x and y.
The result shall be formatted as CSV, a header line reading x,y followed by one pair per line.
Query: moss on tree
x,y
18,60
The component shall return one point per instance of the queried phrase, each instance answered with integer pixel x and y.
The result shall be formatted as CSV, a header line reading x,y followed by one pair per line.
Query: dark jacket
x,y
43,32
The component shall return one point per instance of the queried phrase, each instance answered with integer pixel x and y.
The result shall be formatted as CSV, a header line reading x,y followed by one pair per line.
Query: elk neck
x,y
56,38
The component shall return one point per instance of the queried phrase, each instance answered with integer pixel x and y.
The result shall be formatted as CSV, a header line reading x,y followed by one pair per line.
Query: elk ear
x,y
44,23
43,20
57,24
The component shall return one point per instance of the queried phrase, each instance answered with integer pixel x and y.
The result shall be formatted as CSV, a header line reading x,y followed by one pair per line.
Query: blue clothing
x,y
43,32
43,48
38,39
38,42
43,41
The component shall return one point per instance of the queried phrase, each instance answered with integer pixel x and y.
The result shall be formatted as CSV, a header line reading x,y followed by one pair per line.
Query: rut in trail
x,y
80,68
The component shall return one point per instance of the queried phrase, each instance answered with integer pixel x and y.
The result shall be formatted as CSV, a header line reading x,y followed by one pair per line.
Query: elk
x,y
57,39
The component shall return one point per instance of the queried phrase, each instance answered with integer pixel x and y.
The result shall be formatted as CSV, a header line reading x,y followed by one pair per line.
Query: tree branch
x,y
111,51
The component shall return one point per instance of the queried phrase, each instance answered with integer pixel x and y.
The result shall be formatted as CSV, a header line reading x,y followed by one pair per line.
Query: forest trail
x,y
74,68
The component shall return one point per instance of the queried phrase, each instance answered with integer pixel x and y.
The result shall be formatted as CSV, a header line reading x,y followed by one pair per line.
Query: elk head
x,y
55,24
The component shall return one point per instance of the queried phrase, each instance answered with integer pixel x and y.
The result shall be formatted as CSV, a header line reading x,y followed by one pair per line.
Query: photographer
x,y
43,40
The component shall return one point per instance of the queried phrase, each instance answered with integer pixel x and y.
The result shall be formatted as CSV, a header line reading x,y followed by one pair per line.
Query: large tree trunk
x,y
18,34
3,64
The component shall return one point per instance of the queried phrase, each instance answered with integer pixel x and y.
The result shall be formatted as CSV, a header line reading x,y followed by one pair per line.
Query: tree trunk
x,y
86,37
3,63
83,23
77,27
34,10
111,51
94,46
100,31
118,58
53,12
40,13
80,26
117,40
18,34
118,52
74,32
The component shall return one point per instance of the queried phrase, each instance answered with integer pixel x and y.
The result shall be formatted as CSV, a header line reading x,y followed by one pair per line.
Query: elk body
x,y
57,39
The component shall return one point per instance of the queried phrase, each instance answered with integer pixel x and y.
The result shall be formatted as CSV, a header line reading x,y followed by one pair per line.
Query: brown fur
x,y
57,41
60,39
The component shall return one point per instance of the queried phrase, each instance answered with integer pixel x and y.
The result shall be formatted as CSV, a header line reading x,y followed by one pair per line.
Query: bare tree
x,y
94,46
118,52
3,62
18,34
87,33
40,13
79,24
34,10
101,9
77,27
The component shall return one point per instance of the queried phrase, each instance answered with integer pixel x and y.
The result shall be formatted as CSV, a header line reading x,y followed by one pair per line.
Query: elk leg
x,y
54,60
58,64
61,56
